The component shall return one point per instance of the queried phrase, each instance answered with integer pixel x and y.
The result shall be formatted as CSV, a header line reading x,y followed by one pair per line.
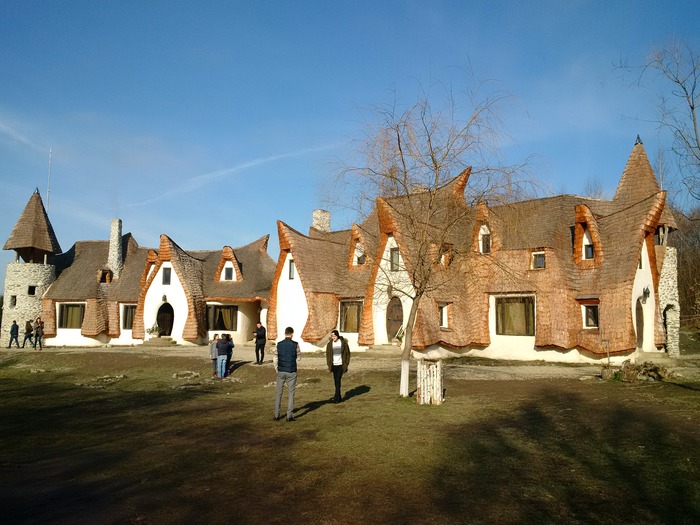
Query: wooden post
x,y
429,382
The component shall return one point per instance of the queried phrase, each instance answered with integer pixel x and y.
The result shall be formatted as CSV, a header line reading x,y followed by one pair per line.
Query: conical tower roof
x,y
639,182
33,236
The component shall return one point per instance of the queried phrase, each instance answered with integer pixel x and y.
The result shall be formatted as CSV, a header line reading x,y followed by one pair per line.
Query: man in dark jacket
x,y
285,357
260,337
222,347
14,334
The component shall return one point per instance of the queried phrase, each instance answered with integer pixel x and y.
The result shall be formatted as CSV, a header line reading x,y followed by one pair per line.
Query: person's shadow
x,y
315,405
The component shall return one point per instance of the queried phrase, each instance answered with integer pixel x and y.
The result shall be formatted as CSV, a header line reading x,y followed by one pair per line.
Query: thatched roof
x,y
33,236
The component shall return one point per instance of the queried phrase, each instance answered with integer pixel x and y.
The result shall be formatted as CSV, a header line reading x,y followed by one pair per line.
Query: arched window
x,y
484,239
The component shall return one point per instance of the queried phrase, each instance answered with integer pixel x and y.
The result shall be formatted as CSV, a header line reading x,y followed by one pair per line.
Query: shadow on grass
x,y
567,459
356,391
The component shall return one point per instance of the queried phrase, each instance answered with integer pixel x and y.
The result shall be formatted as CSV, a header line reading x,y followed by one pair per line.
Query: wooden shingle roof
x,y
33,234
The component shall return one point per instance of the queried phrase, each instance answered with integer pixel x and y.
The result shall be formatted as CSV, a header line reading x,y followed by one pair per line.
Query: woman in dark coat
x,y
338,359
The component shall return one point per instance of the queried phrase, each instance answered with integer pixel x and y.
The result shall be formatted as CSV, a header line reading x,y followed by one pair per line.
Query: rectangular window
x,y
128,314
291,268
31,290
590,315
361,259
13,301
166,275
394,259
538,261
71,315
589,251
350,315
443,315
486,243
221,317
228,274
640,263
515,315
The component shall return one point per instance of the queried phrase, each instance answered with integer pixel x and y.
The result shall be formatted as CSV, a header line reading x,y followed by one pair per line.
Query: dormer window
x,y
484,239
394,259
359,257
106,276
228,274
588,248
291,269
538,261
166,276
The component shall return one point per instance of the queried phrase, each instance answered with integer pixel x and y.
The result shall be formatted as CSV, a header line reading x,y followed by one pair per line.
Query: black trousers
x,y
337,376
259,353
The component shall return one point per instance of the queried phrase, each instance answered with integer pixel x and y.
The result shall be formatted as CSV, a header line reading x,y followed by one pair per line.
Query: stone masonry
x,y
19,303
669,306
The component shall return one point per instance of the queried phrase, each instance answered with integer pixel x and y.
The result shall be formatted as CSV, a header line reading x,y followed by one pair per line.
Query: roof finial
x,y
638,141
36,190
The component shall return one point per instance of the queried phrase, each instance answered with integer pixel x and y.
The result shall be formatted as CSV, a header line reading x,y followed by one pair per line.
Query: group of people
x,y
32,331
221,351
285,358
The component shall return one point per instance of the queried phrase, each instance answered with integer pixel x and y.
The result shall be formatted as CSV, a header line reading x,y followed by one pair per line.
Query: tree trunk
x,y
407,343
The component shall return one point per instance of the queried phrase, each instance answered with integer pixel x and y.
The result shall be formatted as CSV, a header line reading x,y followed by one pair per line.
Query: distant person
x,y
213,353
229,353
14,334
28,331
285,357
221,355
338,359
260,338
38,332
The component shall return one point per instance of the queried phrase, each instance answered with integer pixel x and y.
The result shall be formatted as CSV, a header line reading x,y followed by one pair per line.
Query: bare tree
x,y
677,65
406,157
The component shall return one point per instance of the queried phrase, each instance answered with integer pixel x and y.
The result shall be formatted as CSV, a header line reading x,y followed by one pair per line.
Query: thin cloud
x,y
18,137
206,178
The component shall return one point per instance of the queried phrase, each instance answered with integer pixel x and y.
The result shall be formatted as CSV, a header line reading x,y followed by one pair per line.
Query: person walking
x,y
221,355
285,356
229,353
338,359
14,334
260,338
213,354
28,331
38,332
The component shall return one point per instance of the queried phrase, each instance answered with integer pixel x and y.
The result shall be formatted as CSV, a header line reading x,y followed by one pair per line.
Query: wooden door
x,y
394,318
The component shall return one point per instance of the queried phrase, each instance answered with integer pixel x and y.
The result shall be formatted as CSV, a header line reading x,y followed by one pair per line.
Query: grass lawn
x,y
149,448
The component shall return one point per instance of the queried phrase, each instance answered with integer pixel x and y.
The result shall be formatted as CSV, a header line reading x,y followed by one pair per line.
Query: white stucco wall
x,y
292,308
72,336
175,295
643,279
246,318
401,288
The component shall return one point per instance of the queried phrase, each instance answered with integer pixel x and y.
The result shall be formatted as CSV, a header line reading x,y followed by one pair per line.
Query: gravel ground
x,y
466,369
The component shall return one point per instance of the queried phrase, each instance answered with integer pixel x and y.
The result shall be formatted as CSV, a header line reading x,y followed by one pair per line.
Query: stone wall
x,y
19,276
669,307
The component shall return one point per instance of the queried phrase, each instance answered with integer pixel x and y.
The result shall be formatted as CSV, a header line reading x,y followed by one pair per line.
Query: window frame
x,y
444,313
228,273
213,318
63,313
343,309
166,276
586,255
530,311
291,269
585,308
130,316
536,256
394,259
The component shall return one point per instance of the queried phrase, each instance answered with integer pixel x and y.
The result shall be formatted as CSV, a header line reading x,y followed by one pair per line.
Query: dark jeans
x,y
259,353
228,360
337,376
28,336
15,339
37,341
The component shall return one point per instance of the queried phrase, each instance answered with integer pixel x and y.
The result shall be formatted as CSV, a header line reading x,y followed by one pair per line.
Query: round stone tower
x,y
26,279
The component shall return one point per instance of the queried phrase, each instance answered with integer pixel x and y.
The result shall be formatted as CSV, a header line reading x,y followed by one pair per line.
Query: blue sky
x,y
208,121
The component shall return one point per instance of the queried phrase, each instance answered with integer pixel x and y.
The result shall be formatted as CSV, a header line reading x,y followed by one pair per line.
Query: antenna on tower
x,y
48,187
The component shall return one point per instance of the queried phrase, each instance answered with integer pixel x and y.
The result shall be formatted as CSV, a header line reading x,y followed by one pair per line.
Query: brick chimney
x,y
115,261
321,220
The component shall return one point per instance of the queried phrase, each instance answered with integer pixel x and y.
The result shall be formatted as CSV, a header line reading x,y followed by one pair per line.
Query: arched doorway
x,y
164,318
394,318
639,314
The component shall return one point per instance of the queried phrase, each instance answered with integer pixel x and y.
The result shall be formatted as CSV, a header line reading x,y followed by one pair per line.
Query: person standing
x,y
229,353
28,331
260,338
221,355
38,332
285,357
14,334
338,359
213,354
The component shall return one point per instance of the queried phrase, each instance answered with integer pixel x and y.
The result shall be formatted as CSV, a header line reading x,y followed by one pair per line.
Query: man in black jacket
x,y
285,357
260,337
